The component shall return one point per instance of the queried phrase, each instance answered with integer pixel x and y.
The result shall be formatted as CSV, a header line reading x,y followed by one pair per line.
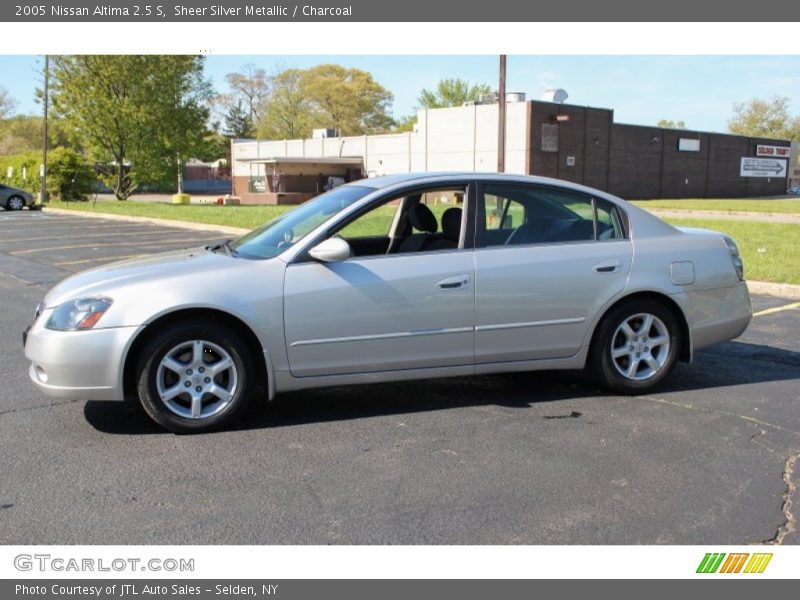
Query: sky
x,y
699,90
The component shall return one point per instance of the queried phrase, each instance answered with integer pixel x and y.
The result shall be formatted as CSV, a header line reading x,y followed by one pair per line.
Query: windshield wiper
x,y
223,245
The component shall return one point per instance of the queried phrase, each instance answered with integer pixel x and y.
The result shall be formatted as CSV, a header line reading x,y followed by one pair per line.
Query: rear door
x,y
548,259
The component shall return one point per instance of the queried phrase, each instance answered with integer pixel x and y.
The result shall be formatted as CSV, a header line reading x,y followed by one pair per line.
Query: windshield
x,y
284,232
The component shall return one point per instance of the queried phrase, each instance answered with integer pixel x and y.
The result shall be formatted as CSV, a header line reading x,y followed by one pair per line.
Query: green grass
x,y
770,251
247,217
787,206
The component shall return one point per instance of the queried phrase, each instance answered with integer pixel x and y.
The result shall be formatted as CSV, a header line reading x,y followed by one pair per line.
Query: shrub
x,y
69,175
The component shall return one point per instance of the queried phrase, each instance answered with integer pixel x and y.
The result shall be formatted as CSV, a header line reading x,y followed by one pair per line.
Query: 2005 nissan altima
x,y
390,278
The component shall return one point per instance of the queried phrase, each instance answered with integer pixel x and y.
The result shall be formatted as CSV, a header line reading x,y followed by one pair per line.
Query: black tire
x,y
148,372
607,370
15,203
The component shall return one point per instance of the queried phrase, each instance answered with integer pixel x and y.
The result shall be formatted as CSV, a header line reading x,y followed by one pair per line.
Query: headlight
x,y
736,258
82,313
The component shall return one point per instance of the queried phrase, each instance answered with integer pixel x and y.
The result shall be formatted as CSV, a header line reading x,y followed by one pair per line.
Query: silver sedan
x,y
391,278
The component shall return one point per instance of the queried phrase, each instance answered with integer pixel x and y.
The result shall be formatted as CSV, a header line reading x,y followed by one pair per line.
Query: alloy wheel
x,y
640,346
197,379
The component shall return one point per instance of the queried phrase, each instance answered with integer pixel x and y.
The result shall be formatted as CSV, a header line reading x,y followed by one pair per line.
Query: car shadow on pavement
x,y
728,364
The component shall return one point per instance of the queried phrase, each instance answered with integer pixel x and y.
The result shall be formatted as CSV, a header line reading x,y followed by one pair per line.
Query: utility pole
x,y
43,189
501,121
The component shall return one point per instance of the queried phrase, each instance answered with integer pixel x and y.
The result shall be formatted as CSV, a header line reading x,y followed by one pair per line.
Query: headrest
x,y
422,218
451,224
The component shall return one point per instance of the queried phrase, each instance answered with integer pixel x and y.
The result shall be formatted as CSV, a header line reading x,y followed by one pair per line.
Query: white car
x,y
391,278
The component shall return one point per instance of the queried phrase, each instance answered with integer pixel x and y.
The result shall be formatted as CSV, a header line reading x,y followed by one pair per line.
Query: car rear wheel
x,y
194,377
636,346
15,203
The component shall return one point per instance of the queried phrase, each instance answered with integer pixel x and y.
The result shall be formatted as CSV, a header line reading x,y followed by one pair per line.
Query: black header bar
x,y
405,11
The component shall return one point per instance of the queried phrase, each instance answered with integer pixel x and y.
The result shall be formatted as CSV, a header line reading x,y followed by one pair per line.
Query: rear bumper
x,y
717,315
84,365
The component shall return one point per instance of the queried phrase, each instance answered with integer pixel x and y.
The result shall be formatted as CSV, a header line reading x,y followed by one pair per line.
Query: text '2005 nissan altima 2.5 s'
x,y
391,278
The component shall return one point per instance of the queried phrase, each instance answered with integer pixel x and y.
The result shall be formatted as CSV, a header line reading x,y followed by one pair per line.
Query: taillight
x,y
736,258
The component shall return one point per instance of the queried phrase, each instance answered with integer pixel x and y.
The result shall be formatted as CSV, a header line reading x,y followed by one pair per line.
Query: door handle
x,y
453,283
608,266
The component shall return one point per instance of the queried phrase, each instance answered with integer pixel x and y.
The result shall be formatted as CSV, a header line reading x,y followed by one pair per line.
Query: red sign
x,y
777,151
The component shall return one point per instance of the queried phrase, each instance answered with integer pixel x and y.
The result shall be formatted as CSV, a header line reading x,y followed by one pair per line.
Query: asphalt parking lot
x,y
534,458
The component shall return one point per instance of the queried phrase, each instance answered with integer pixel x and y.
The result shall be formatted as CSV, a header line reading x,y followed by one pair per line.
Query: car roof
x,y
385,182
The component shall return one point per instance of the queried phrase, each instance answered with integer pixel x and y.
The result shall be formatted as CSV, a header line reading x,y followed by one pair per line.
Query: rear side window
x,y
520,215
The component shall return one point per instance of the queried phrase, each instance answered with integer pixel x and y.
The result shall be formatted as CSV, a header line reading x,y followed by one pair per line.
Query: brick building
x,y
575,143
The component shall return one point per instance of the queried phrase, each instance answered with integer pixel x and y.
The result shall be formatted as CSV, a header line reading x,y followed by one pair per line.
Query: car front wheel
x,y
15,203
194,377
636,346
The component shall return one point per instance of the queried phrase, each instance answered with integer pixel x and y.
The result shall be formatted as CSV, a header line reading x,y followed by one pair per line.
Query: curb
x,y
783,290
150,220
755,217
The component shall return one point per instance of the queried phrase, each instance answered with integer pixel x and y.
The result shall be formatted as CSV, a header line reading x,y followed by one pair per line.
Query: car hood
x,y
105,279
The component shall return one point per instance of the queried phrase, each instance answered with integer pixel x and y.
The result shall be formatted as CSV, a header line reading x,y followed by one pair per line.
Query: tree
x,y
406,124
181,112
288,111
238,123
22,133
138,116
765,118
452,92
249,90
215,146
670,124
7,103
349,100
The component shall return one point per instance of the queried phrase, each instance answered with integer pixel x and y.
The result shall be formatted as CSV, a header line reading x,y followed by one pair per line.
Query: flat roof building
x,y
575,143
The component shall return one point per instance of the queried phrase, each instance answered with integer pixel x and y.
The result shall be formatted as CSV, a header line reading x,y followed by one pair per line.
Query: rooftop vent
x,y
558,96
319,134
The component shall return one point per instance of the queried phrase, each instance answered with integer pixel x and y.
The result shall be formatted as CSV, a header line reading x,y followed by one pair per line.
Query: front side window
x,y
521,215
284,232
419,221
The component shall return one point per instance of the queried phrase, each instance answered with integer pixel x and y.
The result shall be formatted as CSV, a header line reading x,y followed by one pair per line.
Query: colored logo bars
x,y
713,562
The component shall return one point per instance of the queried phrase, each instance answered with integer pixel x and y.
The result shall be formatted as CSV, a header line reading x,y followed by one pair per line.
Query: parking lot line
x,y
193,241
67,263
66,230
777,309
85,235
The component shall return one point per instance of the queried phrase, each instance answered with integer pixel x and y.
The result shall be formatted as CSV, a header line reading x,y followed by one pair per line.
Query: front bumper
x,y
85,365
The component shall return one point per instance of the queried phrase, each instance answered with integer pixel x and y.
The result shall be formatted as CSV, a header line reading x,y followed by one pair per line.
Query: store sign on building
x,y
774,151
762,167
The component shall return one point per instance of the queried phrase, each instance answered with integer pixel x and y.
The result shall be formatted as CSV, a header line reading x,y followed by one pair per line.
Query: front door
x,y
412,308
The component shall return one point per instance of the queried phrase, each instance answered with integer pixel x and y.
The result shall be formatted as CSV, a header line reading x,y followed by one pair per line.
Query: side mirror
x,y
333,249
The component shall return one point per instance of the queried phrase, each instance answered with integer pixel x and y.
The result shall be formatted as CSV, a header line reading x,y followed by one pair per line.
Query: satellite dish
x,y
558,96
